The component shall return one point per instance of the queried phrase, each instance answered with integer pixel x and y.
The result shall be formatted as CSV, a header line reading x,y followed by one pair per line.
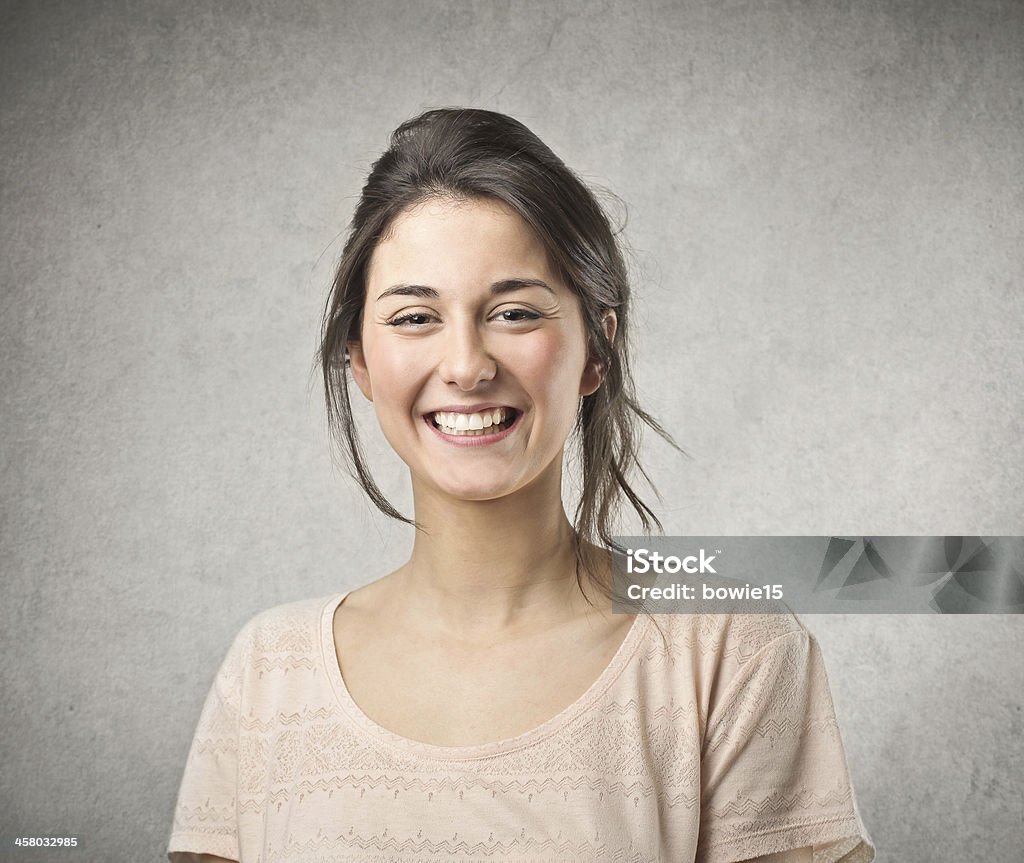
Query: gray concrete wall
x,y
825,208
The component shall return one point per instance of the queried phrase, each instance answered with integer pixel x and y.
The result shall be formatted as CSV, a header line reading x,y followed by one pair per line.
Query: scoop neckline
x,y
380,734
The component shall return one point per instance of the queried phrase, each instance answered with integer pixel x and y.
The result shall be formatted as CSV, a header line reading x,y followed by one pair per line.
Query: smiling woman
x,y
429,357
481,702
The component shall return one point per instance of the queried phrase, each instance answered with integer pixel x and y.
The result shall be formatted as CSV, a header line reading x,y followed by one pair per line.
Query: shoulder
x,y
719,653
291,615
289,627
727,638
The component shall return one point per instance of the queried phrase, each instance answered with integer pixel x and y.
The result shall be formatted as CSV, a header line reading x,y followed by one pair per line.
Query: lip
x,y
472,440
469,409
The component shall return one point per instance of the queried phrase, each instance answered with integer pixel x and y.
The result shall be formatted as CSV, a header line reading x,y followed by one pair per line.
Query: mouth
x,y
489,421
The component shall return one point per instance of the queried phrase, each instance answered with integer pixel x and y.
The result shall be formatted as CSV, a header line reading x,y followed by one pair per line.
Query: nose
x,y
465,360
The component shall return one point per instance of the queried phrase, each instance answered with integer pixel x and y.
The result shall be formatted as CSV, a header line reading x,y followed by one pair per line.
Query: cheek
x,y
394,376
554,366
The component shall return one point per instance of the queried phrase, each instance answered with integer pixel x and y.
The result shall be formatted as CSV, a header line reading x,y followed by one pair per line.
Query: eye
x,y
513,316
411,319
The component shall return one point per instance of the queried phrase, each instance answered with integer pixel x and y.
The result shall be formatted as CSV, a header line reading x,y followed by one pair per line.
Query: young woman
x,y
482,702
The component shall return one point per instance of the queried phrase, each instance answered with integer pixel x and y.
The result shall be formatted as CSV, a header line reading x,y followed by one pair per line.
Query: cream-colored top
x,y
707,737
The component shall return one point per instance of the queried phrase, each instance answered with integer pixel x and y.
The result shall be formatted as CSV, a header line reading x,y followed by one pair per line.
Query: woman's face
x,y
473,352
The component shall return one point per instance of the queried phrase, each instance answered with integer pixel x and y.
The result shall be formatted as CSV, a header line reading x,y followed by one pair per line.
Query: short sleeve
x,y
205,817
774,775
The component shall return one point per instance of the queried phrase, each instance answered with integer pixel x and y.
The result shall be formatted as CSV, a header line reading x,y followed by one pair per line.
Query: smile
x,y
477,423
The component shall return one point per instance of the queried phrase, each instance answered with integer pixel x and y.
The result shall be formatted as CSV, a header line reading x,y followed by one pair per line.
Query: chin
x,y
488,483
475,491
473,485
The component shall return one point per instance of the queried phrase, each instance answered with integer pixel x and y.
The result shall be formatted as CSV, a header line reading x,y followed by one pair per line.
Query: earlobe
x,y
593,374
593,371
360,374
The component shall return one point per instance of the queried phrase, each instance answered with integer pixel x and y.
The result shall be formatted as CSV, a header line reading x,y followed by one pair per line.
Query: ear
x,y
357,363
593,371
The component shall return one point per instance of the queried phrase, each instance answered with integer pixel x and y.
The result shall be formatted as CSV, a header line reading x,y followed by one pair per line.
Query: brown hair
x,y
471,153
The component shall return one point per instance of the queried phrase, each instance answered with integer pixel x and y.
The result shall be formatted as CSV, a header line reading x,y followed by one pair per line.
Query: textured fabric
x,y
707,737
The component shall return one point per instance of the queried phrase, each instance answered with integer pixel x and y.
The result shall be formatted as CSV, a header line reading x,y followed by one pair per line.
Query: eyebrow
x,y
502,287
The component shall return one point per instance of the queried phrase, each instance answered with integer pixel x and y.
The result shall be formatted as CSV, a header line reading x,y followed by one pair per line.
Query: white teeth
x,y
451,422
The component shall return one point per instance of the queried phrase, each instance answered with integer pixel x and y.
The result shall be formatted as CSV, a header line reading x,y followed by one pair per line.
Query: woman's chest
x,y
614,776
612,785
464,695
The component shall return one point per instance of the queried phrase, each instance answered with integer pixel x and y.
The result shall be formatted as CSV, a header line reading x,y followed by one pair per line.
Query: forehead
x,y
445,242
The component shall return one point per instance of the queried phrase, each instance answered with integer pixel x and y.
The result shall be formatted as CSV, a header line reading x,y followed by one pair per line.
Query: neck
x,y
493,565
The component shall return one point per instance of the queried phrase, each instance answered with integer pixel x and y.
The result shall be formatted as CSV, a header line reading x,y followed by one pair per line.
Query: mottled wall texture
x,y
824,207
